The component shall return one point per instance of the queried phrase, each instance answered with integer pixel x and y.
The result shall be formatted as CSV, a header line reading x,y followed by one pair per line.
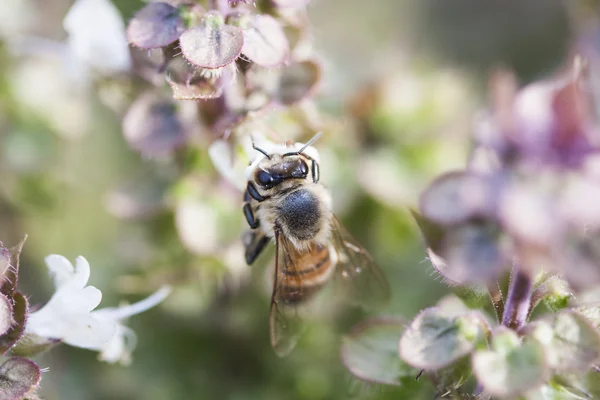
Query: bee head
x,y
281,165
278,168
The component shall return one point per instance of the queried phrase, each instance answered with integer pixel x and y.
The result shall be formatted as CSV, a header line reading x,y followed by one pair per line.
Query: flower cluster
x,y
69,317
529,191
526,202
241,60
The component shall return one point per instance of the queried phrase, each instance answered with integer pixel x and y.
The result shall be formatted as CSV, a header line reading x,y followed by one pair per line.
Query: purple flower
x,y
547,122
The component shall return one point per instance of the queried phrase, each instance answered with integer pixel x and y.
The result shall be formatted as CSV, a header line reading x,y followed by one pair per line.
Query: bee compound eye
x,y
303,168
300,170
264,178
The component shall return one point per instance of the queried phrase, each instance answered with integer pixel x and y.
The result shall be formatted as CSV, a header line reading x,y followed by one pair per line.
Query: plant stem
x,y
518,300
497,299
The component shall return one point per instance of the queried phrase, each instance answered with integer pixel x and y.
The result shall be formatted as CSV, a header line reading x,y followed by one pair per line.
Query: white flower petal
x,y
80,301
63,312
63,273
90,332
119,313
68,314
221,157
82,330
97,35
82,272
42,323
120,347
61,269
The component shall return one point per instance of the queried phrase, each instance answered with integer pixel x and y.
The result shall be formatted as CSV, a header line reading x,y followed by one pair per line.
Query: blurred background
x,y
403,81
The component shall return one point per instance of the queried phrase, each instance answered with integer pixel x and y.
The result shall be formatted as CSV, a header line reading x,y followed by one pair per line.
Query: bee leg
x,y
255,242
315,171
253,222
253,192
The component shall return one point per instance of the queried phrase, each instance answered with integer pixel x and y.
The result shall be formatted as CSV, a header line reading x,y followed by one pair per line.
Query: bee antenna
x,y
260,150
310,142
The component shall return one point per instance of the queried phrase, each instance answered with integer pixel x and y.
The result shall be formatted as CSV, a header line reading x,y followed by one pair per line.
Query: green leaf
x,y
413,389
33,345
473,296
152,125
6,314
510,367
20,313
11,274
155,25
436,338
370,352
453,305
265,42
468,252
589,384
472,253
553,291
4,262
553,392
18,378
451,378
591,312
432,232
457,197
572,342
213,44
195,88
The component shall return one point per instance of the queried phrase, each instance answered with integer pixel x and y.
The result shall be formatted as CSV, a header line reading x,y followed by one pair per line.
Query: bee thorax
x,y
300,213
303,216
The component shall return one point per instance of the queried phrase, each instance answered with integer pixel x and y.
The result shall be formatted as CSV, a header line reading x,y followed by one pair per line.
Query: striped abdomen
x,y
302,274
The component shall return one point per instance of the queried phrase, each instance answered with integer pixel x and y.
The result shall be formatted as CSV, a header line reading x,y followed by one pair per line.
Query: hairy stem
x,y
497,299
518,300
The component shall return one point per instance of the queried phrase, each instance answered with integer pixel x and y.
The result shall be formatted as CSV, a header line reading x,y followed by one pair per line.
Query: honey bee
x,y
284,202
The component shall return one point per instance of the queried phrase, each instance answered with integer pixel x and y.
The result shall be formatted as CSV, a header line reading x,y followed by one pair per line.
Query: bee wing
x,y
361,281
285,326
